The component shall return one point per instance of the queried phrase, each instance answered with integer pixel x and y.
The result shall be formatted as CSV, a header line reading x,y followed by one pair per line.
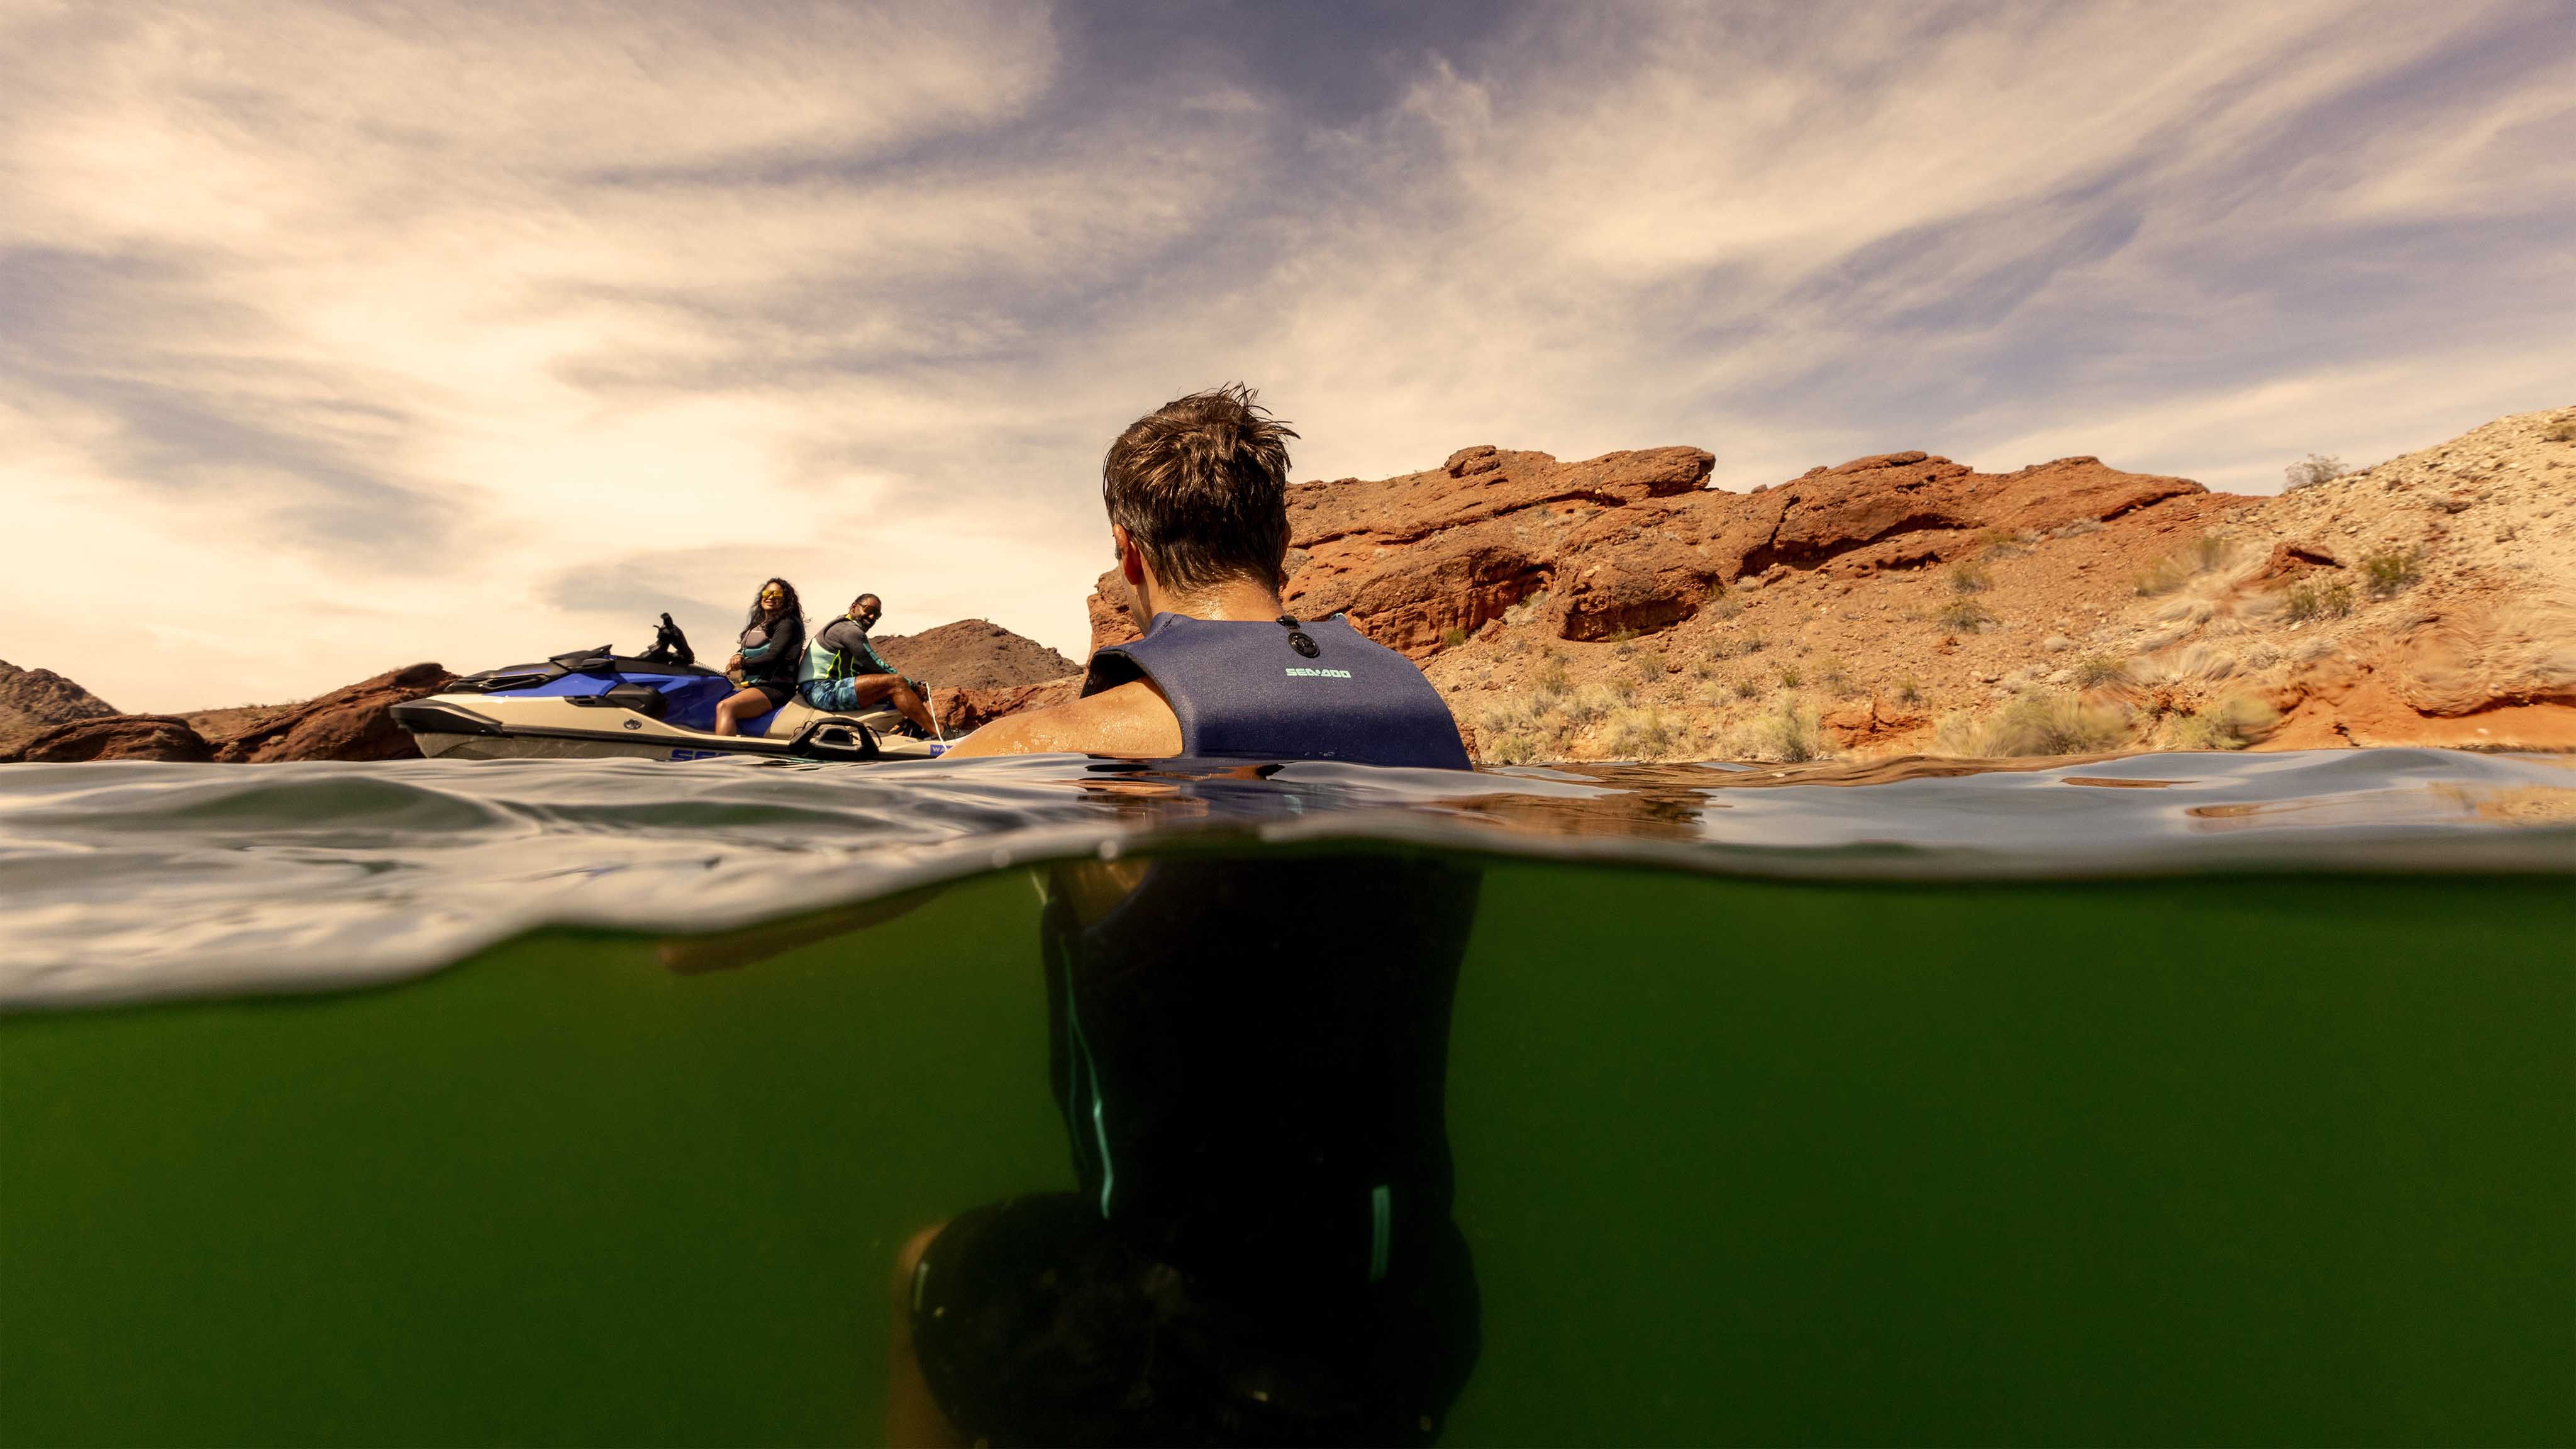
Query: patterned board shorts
x,y
837,694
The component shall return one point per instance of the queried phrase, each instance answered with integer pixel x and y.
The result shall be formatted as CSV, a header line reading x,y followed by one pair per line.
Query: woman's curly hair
x,y
793,608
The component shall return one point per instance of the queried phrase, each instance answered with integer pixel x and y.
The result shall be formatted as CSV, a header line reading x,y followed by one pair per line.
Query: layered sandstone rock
x,y
350,723
1618,607
33,701
974,654
961,710
113,737
1635,542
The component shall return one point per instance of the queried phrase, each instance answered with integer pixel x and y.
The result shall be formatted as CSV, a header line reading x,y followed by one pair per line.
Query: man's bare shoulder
x,y
1131,720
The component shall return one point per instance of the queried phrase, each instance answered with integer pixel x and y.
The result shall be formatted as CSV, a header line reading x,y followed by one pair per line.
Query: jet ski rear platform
x,y
592,703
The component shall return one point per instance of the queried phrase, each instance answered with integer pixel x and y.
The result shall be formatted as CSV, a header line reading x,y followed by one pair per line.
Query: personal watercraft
x,y
658,705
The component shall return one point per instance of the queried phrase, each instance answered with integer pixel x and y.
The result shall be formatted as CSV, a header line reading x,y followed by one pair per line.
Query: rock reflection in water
x,y
1249,1058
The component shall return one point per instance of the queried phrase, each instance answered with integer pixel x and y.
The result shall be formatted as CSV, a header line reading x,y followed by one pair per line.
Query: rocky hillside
x,y
35,700
973,654
350,723
1618,608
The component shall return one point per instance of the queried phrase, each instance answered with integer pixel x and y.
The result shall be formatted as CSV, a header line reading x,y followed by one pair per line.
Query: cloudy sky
x,y
336,337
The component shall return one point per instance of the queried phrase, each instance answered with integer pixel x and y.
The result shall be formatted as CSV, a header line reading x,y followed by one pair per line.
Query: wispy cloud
x,y
337,336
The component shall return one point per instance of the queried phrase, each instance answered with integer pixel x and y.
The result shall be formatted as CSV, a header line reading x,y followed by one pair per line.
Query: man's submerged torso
x,y
1251,1058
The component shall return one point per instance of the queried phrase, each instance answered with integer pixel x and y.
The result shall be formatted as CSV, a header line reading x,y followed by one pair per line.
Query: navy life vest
x,y
1287,691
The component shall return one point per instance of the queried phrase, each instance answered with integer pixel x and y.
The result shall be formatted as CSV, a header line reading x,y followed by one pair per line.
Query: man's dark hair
x,y
867,599
1201,485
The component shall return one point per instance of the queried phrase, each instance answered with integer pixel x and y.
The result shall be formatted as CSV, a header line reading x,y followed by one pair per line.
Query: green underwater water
x,y
2281,1159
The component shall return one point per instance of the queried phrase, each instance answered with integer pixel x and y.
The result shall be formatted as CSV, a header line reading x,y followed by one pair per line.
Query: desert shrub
x,y
1789,732
2229,724
1649,665
1963,616
2002,543
1909,690
2035,723
1832,675
2096,670
2390,570
1970,578
1587,707
2562,433
1736,646
2311,470
2167,576
2316,599
1621,635
1791,676
1452,637
2078,527
1521,729
1646,733
2174,570
1746,688
1703,671
1722,601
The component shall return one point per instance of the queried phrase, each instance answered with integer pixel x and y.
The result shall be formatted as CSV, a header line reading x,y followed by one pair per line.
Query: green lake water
x,y
2283,1159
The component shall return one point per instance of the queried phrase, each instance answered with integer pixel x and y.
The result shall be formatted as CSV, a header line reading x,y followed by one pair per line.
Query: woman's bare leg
x,y
737,707
913,1416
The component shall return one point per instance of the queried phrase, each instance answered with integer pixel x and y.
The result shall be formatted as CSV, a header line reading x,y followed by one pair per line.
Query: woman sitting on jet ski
x,y
773,643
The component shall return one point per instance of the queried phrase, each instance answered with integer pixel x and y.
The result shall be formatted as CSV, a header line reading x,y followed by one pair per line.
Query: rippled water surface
x,y
124,880
2181,1098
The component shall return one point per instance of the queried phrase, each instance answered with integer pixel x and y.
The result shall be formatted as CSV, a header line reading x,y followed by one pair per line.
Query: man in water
x,y
1197,493
1250,1055
844,673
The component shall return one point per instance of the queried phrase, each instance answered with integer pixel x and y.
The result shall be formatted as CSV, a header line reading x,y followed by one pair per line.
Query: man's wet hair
x,y
1201,485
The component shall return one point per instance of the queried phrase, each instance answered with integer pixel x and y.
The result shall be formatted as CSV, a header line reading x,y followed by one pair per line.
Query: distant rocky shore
x,y
1902,603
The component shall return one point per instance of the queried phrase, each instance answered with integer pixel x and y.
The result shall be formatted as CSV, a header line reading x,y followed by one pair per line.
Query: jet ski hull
x,y
598,706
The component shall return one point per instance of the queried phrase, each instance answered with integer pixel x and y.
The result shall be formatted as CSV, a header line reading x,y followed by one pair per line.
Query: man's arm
x,y
1131,721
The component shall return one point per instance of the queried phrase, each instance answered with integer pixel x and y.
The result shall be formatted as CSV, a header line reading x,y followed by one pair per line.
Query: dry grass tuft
x,y
2098,671
2170,573
2229,724
2391,570
2316,599
1789,732
2036,723
1646,733
1833,676
2312,470
1964,616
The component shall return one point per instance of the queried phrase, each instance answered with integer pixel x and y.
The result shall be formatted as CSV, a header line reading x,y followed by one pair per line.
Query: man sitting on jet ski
x,y
772,644
843,672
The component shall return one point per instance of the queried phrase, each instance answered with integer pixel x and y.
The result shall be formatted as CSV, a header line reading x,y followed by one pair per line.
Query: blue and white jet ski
x,y
659,705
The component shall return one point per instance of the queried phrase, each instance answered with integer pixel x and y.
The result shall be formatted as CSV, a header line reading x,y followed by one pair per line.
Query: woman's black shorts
x,y
1036,1324
772,690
